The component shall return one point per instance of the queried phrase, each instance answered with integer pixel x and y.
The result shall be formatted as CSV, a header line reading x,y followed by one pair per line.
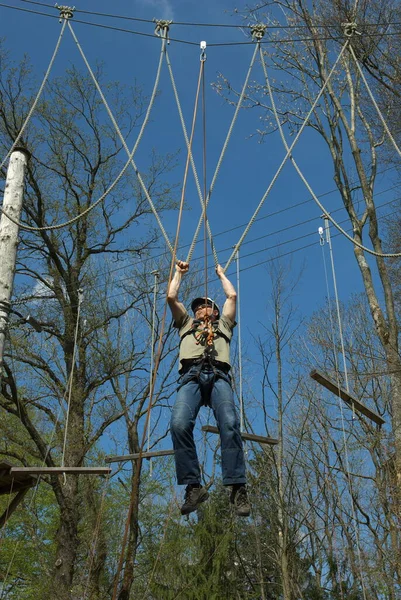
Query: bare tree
x,y
89,368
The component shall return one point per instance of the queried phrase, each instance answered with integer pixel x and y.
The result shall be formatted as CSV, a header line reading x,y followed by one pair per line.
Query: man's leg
x,y
185,411
182,424
232,454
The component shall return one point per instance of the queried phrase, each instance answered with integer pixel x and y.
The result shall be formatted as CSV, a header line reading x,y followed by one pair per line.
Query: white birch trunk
x,y
12,204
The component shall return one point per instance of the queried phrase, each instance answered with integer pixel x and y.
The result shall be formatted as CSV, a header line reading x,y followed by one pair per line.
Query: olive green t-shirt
x,y
192,347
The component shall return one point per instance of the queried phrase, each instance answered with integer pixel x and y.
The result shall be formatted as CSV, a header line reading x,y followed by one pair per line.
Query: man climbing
x,y
205,380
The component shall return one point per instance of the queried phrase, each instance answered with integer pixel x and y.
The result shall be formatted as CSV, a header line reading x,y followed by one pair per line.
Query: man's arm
x,y
230,305
177,308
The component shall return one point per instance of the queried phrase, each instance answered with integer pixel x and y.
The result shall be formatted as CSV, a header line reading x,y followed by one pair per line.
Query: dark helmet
x,y
195,303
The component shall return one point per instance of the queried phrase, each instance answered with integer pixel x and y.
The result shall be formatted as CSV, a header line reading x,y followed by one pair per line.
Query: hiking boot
x,y
239,498
193,497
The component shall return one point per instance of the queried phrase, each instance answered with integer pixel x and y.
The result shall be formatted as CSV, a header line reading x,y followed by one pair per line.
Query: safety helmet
x,y
195,303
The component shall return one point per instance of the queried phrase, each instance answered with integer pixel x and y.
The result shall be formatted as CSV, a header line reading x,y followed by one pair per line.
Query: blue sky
x,y
248,166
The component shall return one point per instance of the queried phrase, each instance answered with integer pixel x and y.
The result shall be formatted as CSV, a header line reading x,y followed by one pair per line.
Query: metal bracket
x,y
66,12
203,51
258,31
162,28
350,29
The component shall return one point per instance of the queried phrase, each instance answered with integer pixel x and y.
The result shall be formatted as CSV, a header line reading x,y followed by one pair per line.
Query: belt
x,y
205,362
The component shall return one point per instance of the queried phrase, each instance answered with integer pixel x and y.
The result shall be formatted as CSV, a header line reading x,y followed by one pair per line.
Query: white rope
x,y
289,150
38,95
303,178
80,299
379,112
340,328
223,151
129,161
241,398
345,443
152,356
194,171
120,135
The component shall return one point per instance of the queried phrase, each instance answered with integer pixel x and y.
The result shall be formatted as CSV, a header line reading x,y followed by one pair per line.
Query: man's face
x,y
205,310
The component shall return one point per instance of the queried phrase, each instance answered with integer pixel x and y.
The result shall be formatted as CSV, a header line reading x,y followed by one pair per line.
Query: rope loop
x,y
258,31
162,28
350,29
66,12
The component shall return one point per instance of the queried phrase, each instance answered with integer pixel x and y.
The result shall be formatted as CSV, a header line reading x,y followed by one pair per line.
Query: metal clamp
x,y
66,12
258,31
162,28
350,29
203,51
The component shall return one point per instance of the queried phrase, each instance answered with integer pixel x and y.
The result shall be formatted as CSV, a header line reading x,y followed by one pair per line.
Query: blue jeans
x,y
211,388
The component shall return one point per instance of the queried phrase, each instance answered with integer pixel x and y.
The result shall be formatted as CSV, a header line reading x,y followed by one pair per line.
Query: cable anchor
x,y
203,51
258,31
350,29
66,12
162,28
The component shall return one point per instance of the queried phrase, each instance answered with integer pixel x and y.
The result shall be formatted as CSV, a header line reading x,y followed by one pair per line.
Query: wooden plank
x,y
58,470
110,459
246,436
330,385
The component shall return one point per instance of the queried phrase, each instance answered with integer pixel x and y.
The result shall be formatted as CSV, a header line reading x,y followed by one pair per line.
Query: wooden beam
x,y
60,470
246,436
330,385
110,459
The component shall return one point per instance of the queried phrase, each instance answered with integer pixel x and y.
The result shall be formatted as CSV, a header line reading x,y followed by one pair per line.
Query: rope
x,y
129,161
308,187
80,299
120,135
289,150
379,112
328,239
345,443
158,353
194,171
223,151
38,95
241,398
152,353
204,161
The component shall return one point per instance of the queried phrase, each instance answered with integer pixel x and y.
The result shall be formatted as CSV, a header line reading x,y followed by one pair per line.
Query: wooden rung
x,y
148,455
245,436
330,385
58,470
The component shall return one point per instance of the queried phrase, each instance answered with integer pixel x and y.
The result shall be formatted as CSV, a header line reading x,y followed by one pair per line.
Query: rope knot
x,y
66,12
350,29
162,27
258,31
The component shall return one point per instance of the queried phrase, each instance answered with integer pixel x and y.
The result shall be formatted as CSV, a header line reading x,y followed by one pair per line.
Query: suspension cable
x,y
38,95
345,443
138,464
194,171
288,154
305,181
241,397
223,151
146,119
80,300
129,161
152,353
